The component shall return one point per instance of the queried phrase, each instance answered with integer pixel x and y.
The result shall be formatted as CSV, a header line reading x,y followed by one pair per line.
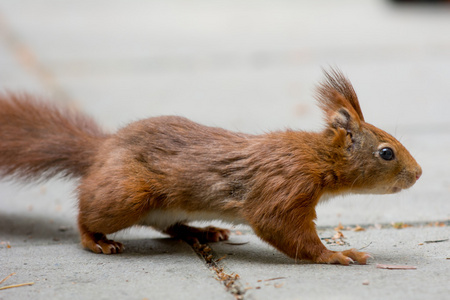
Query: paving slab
x,y
150,269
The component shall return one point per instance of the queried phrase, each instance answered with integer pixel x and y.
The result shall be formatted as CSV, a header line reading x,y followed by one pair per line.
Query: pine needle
x,y
16,285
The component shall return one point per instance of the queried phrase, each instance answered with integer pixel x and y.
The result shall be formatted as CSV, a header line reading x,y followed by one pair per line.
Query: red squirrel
x,y
166,171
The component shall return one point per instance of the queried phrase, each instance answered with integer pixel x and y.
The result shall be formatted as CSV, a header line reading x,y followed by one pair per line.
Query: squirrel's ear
x,y
338,114
342,118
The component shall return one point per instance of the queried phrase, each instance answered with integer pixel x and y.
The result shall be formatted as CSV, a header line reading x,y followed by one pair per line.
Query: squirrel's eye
x,y
387,154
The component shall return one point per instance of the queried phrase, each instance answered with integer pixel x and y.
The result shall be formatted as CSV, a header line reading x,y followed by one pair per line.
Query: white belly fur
x,y
162,219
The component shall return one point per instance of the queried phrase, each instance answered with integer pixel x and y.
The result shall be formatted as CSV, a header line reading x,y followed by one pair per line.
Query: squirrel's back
x,y
39,140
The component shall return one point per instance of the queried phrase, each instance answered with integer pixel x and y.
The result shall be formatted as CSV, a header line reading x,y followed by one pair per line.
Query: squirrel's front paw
x,y
343,257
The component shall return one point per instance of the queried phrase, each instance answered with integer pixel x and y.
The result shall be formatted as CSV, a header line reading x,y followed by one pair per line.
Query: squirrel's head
x,y
372,161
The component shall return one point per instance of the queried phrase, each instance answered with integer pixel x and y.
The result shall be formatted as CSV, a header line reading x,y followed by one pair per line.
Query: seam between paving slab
x,y
29,60
397,225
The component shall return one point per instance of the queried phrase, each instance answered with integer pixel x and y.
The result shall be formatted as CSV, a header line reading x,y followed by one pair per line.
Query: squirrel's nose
x,y
418,173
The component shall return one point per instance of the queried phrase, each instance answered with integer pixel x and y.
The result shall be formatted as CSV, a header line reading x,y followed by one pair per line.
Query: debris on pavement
x,y
395,267
14,285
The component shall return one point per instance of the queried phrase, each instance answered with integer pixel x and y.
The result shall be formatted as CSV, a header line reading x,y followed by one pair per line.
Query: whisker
x,y
354,181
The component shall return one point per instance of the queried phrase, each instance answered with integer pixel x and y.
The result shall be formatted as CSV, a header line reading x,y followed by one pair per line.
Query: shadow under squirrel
x,y
166,171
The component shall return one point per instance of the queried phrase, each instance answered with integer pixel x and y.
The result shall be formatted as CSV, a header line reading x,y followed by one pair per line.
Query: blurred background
x,y
249,66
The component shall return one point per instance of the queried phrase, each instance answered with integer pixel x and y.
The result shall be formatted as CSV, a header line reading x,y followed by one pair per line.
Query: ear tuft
x,y
336,93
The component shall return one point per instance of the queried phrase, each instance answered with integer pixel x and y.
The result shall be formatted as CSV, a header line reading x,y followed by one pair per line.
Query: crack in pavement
x,y
230,280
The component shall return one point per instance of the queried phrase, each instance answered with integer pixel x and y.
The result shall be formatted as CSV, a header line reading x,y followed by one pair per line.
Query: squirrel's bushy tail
x,y
39,141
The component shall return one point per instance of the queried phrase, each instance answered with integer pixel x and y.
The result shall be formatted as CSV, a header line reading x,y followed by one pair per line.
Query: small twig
x,y
16,285
396,267
366,246
436,241
221,258
6,278
270,279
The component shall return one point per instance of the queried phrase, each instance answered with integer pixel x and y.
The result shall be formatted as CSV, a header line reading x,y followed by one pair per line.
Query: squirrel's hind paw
x,y
195,235
98,243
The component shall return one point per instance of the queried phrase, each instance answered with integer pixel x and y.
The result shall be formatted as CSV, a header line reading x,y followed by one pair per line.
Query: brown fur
x,y
166,171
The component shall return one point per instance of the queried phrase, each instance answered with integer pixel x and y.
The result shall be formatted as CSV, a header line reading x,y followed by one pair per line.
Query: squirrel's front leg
x,y
314,250
293,232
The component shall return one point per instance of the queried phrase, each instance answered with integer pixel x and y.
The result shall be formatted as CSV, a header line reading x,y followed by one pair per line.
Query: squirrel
x,y
167,171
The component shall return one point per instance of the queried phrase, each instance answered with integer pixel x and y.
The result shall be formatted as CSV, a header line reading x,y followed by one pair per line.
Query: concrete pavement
x,y
247,66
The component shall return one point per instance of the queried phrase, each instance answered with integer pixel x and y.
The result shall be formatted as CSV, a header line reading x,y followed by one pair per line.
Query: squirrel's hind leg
x,y
106,207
